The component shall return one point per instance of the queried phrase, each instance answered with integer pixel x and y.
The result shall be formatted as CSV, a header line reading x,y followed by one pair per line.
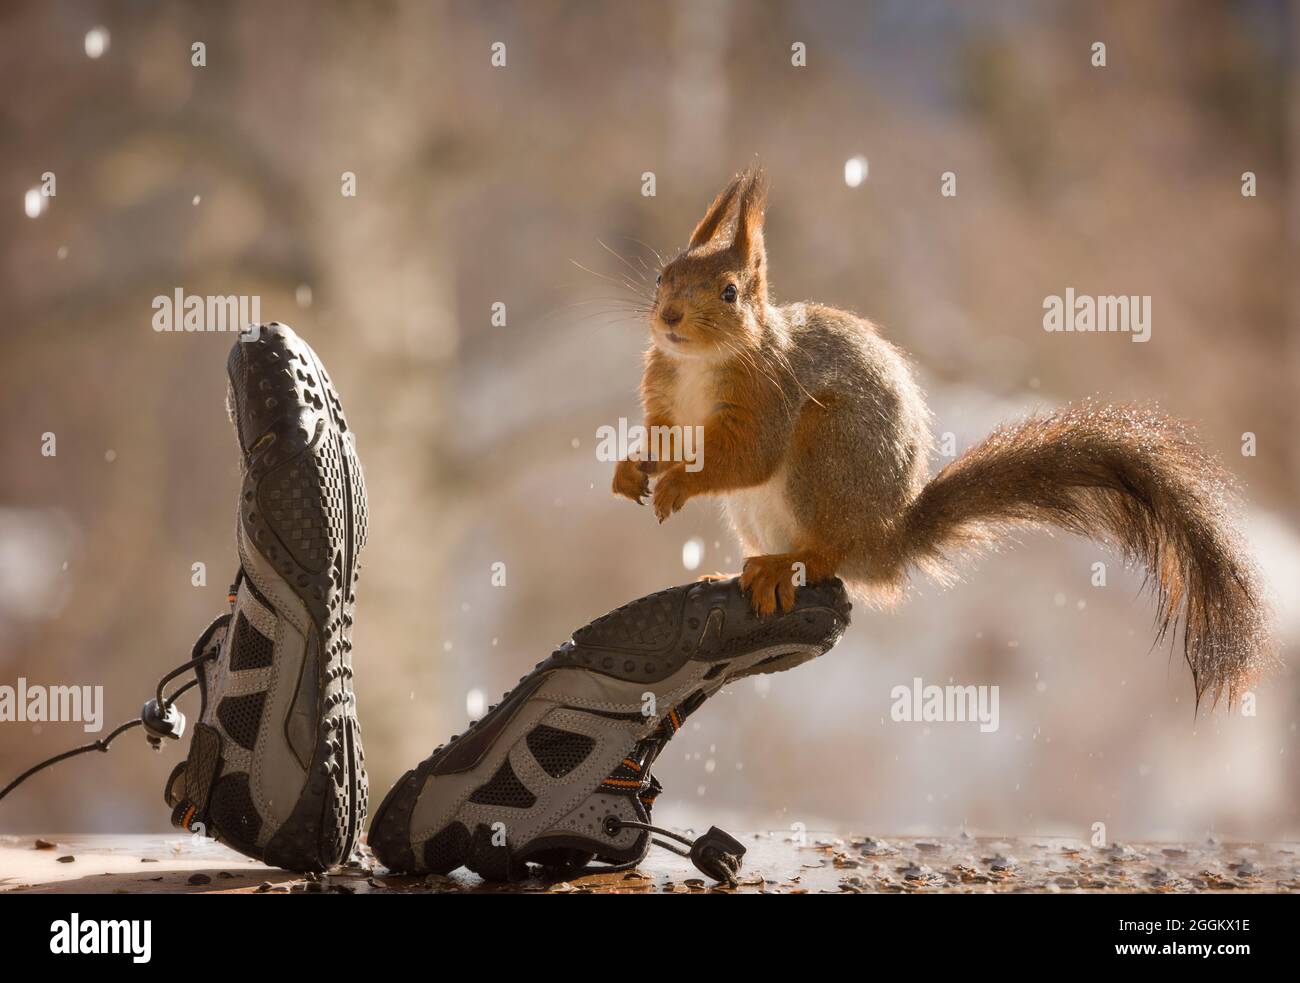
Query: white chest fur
x,y
693,397
761,516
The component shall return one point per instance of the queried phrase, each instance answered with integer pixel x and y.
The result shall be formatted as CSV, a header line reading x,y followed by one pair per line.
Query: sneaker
x,y
558,773
275,768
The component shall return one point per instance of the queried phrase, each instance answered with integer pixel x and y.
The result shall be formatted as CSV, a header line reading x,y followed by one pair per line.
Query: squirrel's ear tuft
x,y
717,213
748,243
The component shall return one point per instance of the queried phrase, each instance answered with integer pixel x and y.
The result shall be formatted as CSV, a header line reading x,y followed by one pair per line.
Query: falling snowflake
x,y
96,42
692,553
475,703
34,203
855,171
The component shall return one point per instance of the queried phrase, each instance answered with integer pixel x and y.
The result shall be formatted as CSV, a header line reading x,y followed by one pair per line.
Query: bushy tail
x,y
1120,474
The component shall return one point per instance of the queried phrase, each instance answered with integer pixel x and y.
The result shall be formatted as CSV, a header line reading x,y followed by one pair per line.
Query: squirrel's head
x,y
709,300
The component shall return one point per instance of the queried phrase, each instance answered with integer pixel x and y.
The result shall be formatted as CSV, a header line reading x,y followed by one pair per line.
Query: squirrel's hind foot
x,y
771,581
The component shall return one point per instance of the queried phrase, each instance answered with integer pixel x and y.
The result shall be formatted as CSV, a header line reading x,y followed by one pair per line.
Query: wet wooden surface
x,y
774,864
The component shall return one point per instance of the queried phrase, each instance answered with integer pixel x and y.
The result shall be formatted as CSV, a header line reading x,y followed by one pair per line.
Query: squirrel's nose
x,y
671,317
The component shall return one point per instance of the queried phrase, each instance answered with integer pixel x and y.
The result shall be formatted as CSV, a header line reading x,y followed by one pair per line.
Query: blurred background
x,y
522,185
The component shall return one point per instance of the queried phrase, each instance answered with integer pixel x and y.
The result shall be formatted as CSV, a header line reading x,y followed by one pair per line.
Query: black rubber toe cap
x,y
390,827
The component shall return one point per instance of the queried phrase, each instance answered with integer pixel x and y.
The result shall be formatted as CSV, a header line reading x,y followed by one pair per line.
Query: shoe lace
x,y
715,854
160,717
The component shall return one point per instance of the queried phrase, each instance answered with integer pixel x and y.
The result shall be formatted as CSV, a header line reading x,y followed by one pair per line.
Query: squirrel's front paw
x,y
671,491
631,481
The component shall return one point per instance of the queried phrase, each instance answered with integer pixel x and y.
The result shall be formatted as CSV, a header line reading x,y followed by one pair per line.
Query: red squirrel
x,y
817,438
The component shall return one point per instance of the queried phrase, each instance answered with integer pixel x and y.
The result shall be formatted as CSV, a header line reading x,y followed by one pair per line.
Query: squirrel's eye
x,y
729,293
659,278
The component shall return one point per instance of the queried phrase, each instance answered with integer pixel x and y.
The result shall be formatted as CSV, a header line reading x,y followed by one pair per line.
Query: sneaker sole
x,y
303,511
